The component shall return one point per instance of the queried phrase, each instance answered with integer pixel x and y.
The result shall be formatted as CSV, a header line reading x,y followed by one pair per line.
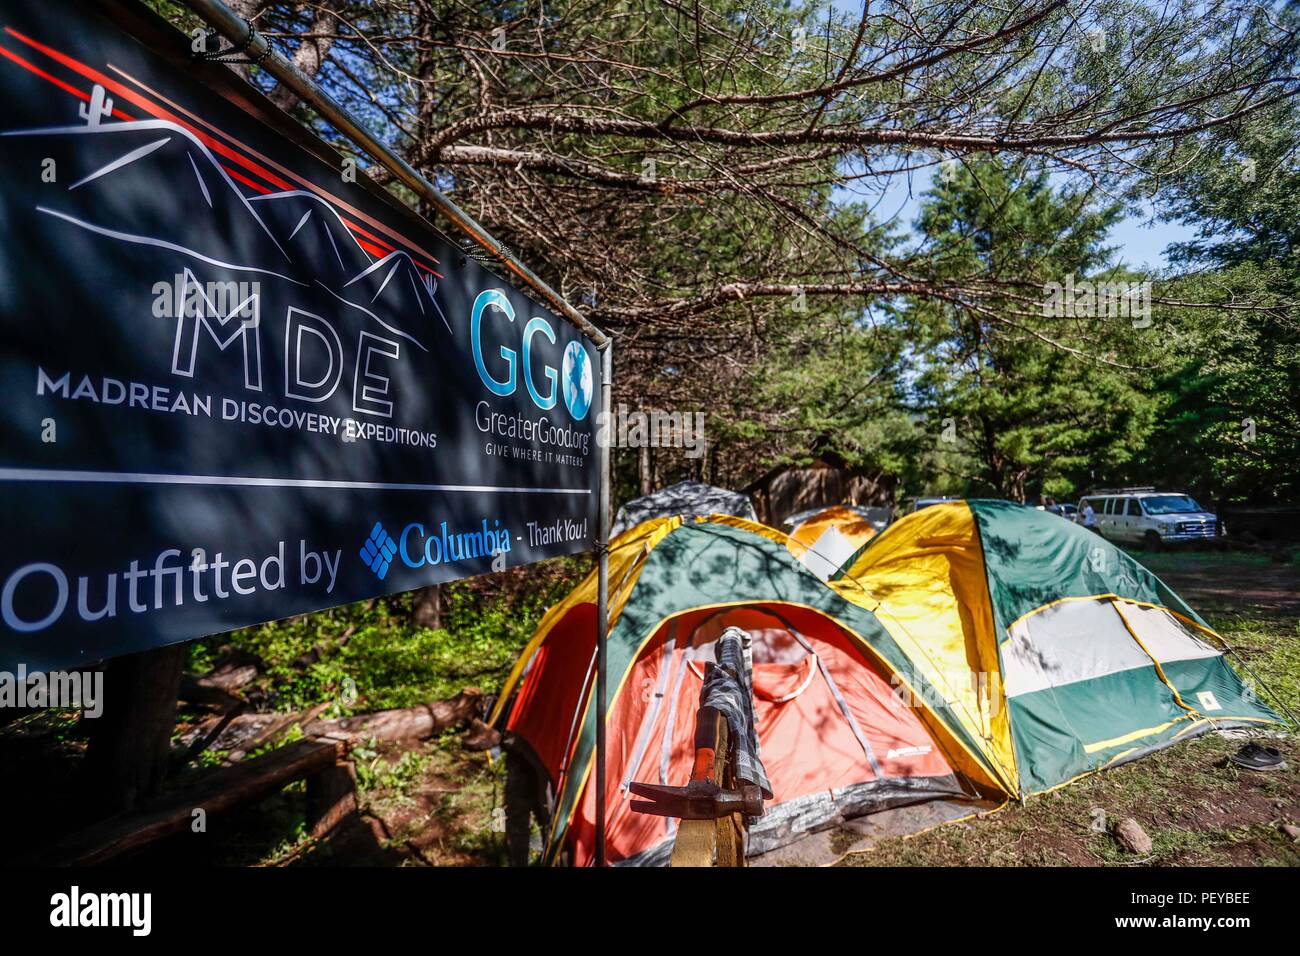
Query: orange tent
x,y
825,541
838,733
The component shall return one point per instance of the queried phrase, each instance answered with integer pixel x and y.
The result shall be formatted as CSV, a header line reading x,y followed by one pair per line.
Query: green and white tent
x,y
1060,652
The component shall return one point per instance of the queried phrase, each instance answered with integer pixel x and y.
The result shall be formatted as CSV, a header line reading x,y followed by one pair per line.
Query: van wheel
x,y
1151,542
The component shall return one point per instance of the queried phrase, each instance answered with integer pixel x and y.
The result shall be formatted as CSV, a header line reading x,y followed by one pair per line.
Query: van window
x,y
1131,507
1170,505
1110,506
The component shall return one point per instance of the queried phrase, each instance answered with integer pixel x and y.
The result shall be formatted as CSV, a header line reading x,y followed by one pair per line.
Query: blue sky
x,y
1142,243
1139,241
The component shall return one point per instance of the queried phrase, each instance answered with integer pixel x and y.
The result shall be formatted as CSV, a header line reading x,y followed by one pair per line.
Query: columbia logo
x,y
378,551
898,752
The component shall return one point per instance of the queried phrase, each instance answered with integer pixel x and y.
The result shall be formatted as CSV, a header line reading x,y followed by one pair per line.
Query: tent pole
x,y
257,48
605,428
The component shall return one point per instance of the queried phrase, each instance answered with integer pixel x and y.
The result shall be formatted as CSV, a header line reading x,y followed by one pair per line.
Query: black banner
x,y
238,384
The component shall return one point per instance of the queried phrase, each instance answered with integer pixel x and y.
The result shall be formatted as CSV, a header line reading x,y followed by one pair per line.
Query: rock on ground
x,y
1132,837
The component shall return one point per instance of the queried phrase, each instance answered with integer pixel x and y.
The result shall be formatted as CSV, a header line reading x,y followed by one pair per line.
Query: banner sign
x,y
238,385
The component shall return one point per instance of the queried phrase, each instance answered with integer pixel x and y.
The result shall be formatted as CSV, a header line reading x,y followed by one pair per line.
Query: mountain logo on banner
x,y
155,183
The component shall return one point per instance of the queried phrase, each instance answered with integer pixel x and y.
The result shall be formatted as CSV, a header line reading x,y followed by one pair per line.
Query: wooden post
x,y
332,795
644,477
130,742
426,607
719,842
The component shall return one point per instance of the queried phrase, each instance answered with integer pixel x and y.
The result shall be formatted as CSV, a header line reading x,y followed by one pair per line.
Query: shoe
x,y
1256,757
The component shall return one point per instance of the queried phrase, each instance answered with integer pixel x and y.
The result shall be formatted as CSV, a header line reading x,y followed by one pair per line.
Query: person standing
x,y
1089,515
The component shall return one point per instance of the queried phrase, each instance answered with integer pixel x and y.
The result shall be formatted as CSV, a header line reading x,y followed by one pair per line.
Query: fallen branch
x,y
231,676
322,762
199,692
411,723
246,732
249,731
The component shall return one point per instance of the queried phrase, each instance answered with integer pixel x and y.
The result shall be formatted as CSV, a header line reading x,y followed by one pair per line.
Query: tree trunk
x,y
247,732
409,723
308,58
130,743
249,10
643,469
310,55
426,607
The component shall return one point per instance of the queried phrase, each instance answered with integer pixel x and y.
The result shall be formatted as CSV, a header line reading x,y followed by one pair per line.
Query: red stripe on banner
x,y
375,240
58,82
373,249
235,174
151,108
378,248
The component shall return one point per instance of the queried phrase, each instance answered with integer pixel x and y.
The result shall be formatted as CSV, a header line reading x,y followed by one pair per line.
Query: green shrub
x,y
388,662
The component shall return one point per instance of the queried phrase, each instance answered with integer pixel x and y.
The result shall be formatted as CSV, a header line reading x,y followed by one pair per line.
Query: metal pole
x,y
238,31
602,590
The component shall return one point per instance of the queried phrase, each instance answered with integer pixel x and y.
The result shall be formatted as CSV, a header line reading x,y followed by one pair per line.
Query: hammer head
x,y
699,800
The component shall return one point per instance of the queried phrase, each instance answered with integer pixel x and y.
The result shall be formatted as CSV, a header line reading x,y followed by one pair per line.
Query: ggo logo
x,y
573,381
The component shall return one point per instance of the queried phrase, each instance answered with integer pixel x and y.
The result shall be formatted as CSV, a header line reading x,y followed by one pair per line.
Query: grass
x,y
1181,560
1196,809
371,656
1266,651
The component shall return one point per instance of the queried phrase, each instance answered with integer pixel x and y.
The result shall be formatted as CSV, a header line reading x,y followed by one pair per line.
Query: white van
x,y
1151,518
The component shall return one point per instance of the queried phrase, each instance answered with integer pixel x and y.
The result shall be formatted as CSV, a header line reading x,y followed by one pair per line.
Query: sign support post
x,y
602,600
244,37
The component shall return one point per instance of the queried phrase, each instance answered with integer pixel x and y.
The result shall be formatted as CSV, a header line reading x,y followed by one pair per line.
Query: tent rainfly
x,y
826,539
686,498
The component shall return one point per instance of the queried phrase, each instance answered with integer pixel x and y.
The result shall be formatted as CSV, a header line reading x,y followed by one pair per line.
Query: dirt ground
x,y
1231,584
